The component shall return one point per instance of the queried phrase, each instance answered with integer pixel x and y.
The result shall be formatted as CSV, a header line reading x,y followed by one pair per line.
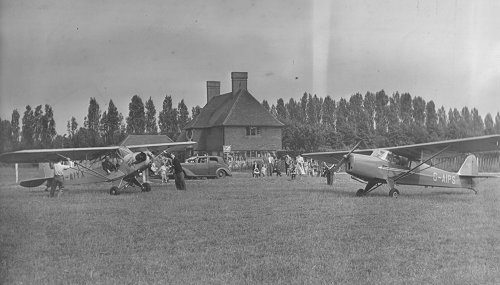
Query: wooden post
x,y
17,173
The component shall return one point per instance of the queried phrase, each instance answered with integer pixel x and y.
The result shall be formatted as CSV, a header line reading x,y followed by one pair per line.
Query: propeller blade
x,y
346,157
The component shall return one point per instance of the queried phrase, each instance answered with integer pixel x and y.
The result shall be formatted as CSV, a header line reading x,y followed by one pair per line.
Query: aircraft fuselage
x,y
380,169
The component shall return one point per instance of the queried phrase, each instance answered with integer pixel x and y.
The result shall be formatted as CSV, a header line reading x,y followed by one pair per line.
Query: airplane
x,y
412,164
86,164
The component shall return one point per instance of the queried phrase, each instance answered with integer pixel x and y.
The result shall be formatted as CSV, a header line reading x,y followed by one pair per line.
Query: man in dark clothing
x,y
178,173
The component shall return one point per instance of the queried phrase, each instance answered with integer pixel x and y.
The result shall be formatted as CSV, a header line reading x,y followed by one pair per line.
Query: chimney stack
x,y
239,80
213,89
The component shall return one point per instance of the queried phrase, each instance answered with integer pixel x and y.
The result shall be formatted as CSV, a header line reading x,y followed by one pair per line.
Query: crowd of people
x,y
268,165
293,167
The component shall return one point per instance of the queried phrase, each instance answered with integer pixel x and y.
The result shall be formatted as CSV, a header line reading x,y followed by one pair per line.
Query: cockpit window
x,y
391,157
123,151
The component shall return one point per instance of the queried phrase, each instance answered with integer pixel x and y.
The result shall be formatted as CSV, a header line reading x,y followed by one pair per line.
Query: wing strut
x,y
418,165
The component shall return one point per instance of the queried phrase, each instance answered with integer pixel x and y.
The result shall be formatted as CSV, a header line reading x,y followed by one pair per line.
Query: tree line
x,y
311,124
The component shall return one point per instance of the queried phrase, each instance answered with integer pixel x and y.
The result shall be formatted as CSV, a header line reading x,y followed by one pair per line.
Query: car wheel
x,y
221,173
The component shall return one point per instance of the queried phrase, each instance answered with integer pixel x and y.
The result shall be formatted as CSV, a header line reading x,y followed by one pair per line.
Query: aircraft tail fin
x,y
469,167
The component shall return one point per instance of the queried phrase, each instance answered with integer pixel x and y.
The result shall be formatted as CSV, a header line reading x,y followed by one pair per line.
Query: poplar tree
x,y
151,126
195,111
28,129
183,114
168,120
431,121
136,120
5,135
489,125
16,130
265,104
281,110
92,123
38,128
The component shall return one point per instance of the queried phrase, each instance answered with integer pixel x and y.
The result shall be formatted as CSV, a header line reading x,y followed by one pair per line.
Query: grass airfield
x,y
249,230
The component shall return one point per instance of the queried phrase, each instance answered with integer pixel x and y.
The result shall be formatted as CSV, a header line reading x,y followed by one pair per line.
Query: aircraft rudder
x,y
470,166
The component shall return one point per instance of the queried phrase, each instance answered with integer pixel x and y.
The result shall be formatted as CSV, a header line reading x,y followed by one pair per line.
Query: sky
x,y
62,53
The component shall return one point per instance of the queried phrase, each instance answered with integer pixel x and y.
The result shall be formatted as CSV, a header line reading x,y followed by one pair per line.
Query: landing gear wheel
x,y
360,193
114,190
221,173
394,193
146,187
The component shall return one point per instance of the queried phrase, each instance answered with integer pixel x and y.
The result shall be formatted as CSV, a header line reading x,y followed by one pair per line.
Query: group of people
x,y
267,166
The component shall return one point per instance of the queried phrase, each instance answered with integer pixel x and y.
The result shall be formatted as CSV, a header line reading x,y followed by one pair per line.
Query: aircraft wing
x,y
159,147
453,147
334,156
55,154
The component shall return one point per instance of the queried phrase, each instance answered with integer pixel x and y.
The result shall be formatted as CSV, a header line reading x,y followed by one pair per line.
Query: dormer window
x,y
253,131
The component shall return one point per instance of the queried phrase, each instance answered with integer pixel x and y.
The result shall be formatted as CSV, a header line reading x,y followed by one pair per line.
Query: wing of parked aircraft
x,y
451,147
84,153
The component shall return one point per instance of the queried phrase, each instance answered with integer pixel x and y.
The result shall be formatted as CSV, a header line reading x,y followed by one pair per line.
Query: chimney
x,y
239,80
213,89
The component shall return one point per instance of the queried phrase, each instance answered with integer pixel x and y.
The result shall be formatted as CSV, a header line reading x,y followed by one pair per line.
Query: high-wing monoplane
x,y
412,164
88,165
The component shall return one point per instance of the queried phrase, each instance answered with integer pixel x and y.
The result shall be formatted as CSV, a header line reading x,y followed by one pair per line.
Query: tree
x,y
48,127
281,110
477,123
5,136
454,117
16,130
418,127
431,121
381,118
136,120
28,130
151,127
183,114
265,104
92,123
442,123
328,113
168,120
38,129
369,107
113,120
195,111
489,125
497,123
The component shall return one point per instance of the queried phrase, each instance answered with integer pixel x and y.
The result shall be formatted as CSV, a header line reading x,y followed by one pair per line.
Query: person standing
x,y
58,180
329,173
163,172
180,184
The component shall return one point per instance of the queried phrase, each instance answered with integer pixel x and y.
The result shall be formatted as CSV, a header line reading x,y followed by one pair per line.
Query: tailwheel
x,y
360,192
146,187
114,190
394,193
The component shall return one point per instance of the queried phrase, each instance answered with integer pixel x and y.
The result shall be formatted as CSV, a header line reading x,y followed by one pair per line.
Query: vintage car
x,y
205,166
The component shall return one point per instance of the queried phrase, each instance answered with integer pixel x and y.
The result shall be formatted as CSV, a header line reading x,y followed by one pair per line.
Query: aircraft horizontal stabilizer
x,y
33,182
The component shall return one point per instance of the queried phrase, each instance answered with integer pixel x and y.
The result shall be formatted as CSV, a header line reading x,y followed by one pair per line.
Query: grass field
x,y
244,230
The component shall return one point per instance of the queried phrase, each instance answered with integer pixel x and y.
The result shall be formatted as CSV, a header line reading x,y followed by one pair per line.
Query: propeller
x,y
346,157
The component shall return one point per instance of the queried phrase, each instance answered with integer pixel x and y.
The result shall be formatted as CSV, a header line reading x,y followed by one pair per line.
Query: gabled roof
x,y
240,109
145,139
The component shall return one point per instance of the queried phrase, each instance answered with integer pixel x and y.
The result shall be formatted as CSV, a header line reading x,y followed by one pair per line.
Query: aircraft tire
x,y
146,187
114,190
360,193
394,193
221,173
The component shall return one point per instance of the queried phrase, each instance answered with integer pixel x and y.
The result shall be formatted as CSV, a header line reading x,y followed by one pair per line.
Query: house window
x,y
253,131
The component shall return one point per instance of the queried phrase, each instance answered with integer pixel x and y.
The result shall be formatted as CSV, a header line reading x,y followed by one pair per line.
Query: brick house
x,y
236,121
